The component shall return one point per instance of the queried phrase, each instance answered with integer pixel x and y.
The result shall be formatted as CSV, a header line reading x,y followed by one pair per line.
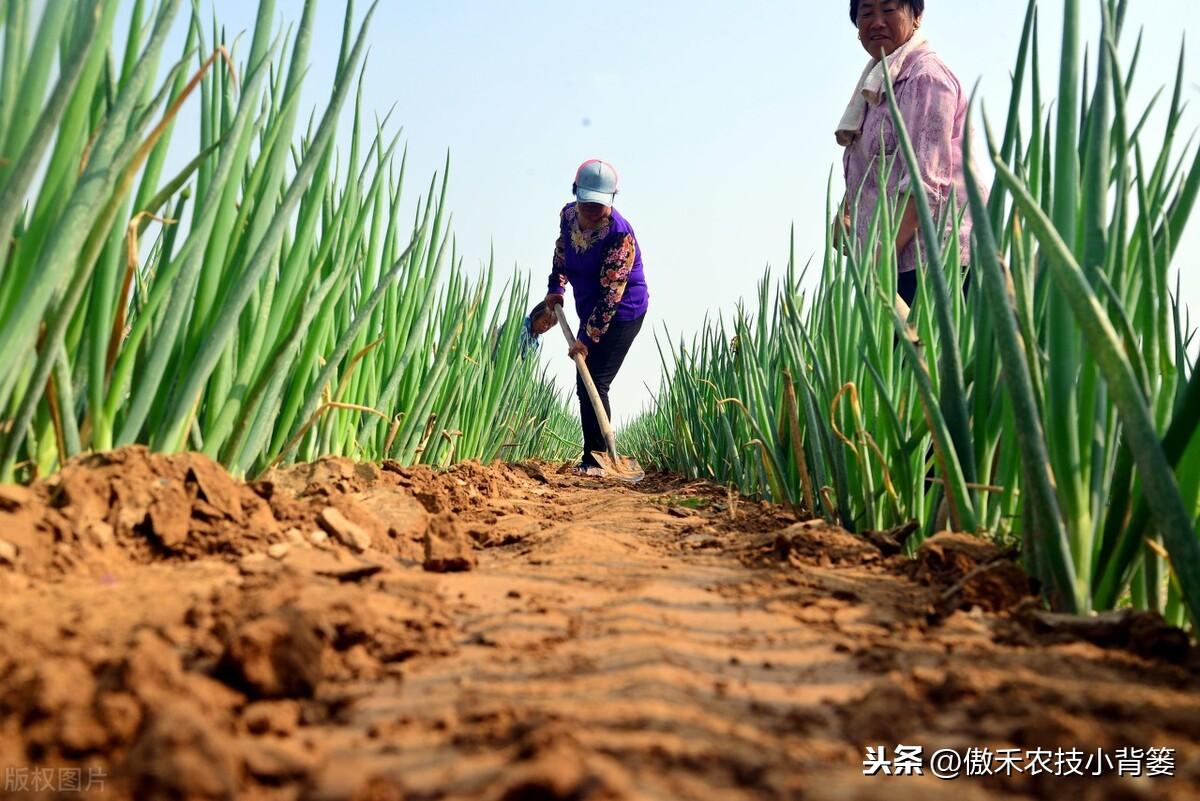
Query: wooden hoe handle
x,y
605,427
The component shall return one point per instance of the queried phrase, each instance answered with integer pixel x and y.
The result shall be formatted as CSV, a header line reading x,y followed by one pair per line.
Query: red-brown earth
x,y
343,631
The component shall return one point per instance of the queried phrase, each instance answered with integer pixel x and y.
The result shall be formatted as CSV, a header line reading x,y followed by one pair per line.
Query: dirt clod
x,y
272,717
404,516
13,497
180,755
1143,633
278,656
892,541
447,547
562,774
814,542
971,572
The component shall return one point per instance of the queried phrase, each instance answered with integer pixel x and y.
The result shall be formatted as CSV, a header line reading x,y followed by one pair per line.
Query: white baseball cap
x,y
596,182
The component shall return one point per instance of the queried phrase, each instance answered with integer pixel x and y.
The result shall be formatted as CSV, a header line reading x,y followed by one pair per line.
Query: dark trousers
x,y
906,285
603,362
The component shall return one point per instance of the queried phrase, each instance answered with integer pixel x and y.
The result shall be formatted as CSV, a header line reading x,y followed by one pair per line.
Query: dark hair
x,y
539,310
916,6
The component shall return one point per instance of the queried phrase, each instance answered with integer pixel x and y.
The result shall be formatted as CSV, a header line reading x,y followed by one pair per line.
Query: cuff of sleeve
x,y
934,194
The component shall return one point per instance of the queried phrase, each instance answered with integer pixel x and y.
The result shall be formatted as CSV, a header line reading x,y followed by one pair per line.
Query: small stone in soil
x,y
275,761
253,564
348,533
100,533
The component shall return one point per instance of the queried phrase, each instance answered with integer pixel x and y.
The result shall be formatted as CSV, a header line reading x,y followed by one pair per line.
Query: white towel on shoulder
x,y
870,88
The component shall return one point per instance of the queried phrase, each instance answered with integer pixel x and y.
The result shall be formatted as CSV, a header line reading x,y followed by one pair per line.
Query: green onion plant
x,y
266,303
1054,406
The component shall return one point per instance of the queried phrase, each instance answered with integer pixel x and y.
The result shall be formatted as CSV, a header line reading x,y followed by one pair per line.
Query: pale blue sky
x,y
719,116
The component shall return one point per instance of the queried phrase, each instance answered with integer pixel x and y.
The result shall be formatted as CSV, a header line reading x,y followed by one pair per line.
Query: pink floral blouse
x,y
934,107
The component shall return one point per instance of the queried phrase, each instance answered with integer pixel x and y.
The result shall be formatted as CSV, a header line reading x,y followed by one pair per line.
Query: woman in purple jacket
x,y
597,253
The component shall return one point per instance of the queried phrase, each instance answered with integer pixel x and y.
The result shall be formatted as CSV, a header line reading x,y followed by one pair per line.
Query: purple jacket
x,y
603,267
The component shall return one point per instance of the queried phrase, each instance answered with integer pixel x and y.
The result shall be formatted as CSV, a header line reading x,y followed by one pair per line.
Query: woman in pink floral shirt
x,y
934,108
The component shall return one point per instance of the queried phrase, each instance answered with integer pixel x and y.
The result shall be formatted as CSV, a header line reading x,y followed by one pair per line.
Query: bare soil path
x,y
177,635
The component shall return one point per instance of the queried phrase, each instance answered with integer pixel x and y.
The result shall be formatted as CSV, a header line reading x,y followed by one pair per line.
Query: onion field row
x,y
267,302
1052,406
